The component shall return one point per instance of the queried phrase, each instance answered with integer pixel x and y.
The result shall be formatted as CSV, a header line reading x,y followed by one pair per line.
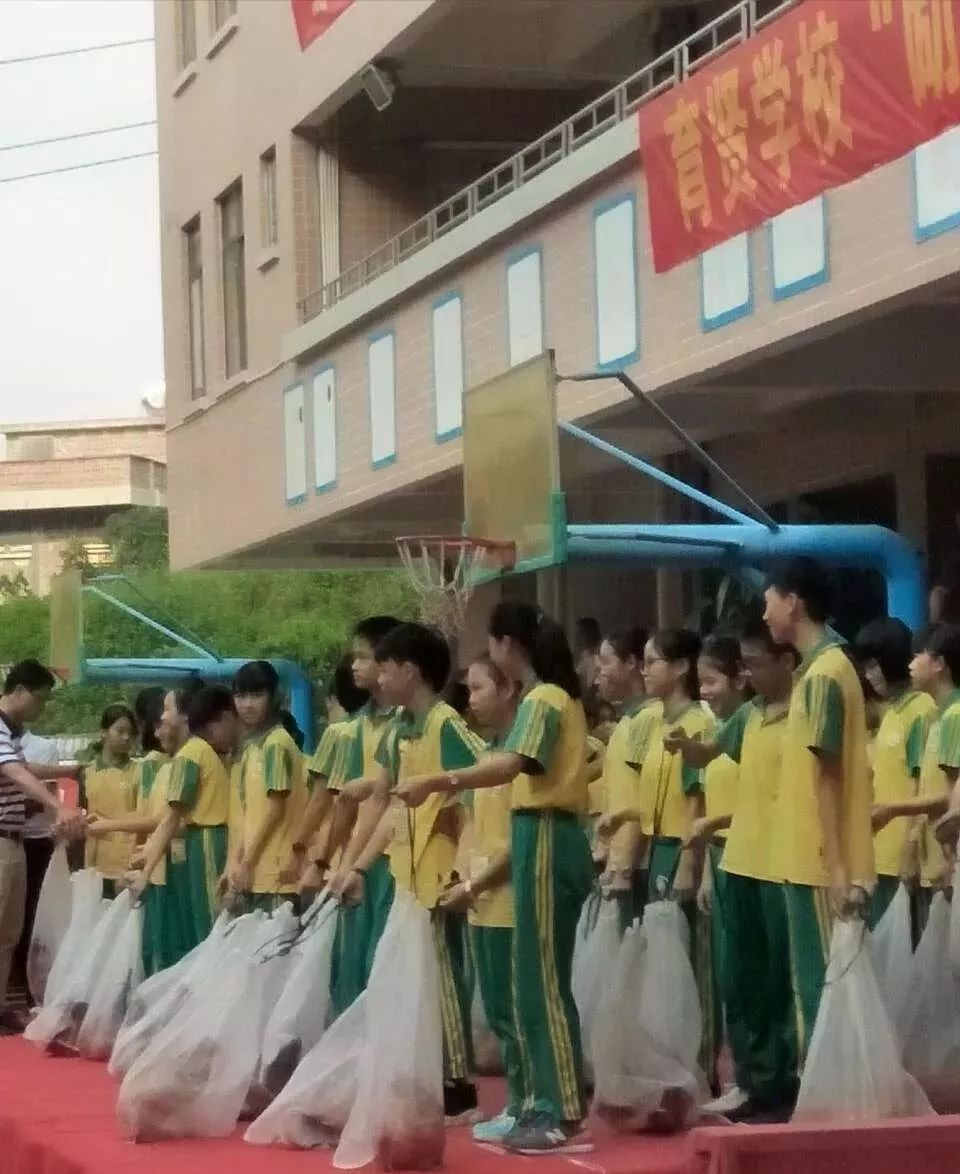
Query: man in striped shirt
x,y
26,691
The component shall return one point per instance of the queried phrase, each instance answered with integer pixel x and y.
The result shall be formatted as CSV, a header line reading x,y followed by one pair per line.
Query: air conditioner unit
x,y
378,85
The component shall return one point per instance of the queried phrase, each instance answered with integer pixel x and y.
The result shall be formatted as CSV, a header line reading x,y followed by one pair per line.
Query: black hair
x,y
257,676
489,665
348,693
422,647
30,675
115,713
889,643
289,723
374,628
148,706
627,642
184,692
808,580
457,695
588,633
543,641
942,640
756,631
723,652
207,705
675,644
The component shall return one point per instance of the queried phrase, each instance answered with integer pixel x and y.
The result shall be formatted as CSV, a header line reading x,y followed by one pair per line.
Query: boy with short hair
x,y
823,836
427,736
198,800
272,788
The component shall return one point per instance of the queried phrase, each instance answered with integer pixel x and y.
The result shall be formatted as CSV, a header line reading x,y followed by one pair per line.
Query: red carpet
x,y
57,1117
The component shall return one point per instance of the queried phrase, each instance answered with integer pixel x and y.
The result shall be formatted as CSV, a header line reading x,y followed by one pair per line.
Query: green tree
x,y
139,539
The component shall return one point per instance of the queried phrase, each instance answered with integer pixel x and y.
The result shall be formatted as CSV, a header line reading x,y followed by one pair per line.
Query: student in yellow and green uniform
x,y
620,682
757,992
823,835
109,793
427,736
935,669
272,788
486,894
883,650
544,760
198,809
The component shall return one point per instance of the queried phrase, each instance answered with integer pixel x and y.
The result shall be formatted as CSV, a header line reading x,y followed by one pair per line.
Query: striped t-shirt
x,y
12,803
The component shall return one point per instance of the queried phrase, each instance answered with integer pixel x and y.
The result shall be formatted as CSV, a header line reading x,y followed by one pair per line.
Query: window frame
x,y
193,272
269,211
233,262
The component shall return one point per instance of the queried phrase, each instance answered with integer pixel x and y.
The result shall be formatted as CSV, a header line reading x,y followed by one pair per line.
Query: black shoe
x,y
754,1113
460,1105
540,1134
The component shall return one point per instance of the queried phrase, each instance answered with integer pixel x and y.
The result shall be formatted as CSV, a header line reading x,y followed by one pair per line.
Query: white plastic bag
x,y
397,1116
891,951
58,1022
113,987
193,1081
932,1016
298,1018
955,923
86,909
595,956
50,923
648,1029
853,1070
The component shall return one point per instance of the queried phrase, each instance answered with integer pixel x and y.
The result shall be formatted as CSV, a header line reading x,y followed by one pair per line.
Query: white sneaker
x,y
733,1099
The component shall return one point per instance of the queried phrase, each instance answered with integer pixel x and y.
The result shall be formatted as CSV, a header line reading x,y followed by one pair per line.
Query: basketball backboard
x,y
66,626
511,464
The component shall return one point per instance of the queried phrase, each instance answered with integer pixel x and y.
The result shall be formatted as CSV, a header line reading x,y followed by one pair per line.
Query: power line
x,y
83,134
74,52
76,167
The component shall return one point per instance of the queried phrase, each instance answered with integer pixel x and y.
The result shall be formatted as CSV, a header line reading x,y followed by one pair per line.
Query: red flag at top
x,y
314,17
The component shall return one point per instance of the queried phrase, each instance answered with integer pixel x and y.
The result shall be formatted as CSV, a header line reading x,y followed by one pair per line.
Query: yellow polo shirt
x,y
272,764
111,793
666,781
200,785
550,730
490,820
898,756
826,714
720,780
367,729
622,779
156,805
423,847
597,790
753,738
942,753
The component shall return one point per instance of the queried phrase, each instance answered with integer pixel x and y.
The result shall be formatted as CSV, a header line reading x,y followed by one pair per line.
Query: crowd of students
x,y
770,781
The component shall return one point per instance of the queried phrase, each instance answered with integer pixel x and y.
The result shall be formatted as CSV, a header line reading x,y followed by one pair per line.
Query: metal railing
x,y
725,32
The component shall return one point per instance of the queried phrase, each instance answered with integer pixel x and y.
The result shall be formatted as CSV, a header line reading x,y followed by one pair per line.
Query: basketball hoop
x,y
443,571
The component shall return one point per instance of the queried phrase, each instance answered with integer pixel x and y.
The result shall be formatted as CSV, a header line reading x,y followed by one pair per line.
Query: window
x,y
222,11
234,280
186,18
198,381
269,231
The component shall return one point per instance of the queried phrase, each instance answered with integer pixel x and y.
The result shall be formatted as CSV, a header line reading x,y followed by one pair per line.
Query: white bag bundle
x,y
50,923
160,1001
86,908
57,1025
299,1017
891,951
193,1081
648,1030
119,977
932,1016
853,1070
595,957
397,1115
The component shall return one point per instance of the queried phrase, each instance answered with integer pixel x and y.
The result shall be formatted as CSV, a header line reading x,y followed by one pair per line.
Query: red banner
x,y
820,96
314,17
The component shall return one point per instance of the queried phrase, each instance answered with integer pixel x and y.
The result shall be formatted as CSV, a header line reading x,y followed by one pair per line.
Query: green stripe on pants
x,y
358,933
758,994
552,876
195,881
492,950
449,941
663,866
810,923
162,928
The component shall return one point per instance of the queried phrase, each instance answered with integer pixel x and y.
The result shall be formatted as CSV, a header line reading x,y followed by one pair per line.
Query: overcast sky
x,y
80,329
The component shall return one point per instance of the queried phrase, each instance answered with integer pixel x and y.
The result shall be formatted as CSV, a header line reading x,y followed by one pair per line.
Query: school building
x,y
369,205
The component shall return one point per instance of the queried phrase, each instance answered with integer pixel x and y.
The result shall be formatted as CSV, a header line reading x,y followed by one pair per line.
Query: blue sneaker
x,y
541,1134
493,1132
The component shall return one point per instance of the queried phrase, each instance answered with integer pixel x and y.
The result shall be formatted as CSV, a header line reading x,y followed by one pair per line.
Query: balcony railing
x,y
729,29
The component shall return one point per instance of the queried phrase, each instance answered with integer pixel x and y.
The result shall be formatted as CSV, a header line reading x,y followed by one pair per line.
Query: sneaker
x,y
731,1101
460,1106
494,1131
541,1134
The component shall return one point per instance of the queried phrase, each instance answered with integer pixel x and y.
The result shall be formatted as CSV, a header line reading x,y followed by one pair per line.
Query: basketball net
x,y
443,572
